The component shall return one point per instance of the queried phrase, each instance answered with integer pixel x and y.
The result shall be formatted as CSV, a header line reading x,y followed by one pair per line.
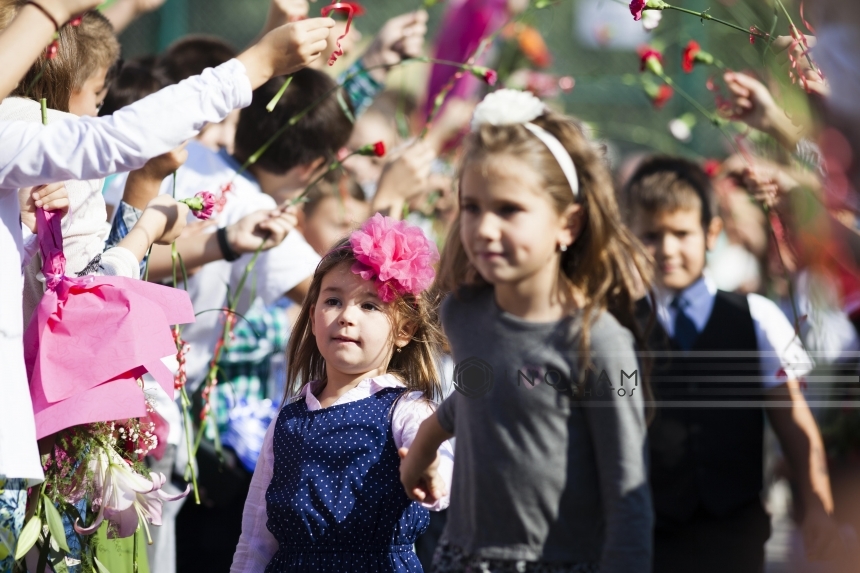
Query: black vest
x,y
707,458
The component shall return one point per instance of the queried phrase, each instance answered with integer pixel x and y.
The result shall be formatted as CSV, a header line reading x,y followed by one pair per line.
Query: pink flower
x,y
651,60
202,204
486,74
395,255
636,8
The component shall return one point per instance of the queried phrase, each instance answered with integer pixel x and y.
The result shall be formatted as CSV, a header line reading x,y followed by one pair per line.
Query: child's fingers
x,y
402,453
44,194
58,204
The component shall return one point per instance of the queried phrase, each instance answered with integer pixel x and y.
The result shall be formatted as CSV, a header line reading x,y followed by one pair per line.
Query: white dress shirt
x,y
86,148
257,545
778,346
275,273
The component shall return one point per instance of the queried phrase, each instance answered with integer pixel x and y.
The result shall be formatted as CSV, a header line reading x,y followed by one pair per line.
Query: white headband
x,y
511,107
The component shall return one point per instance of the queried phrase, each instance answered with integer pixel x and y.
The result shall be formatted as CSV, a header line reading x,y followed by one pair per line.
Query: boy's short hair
x,y
320,133
664,184
136,80
83,50
190,55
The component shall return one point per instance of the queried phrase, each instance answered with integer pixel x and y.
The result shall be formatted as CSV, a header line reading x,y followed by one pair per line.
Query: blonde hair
x,y
415,364
83,50
606,264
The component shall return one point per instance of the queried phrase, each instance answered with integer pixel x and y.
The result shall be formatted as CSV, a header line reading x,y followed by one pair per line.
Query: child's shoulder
x,y
607,333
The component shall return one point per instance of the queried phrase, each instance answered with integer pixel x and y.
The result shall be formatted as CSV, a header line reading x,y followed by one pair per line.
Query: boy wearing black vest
x,y
721,362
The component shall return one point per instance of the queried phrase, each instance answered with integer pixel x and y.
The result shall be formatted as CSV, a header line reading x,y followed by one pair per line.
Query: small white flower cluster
x,y
507,107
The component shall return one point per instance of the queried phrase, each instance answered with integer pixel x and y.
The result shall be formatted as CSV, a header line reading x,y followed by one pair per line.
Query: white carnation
x,y
507,107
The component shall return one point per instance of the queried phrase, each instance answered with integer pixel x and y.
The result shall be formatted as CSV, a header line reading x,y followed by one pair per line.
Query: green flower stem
x,y
212,375
714,119
186,419
706,16
791,23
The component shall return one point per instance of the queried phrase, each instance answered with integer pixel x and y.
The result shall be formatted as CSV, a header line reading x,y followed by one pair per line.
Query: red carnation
x,y
712,167
636,8
379,149
690,55
52,50
664,94
486,74
651,60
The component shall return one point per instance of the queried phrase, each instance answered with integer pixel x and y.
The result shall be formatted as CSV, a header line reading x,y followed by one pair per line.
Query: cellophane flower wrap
x,y
395,255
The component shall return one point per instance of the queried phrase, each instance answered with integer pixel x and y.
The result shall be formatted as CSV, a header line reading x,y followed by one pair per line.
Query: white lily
x,y
127,498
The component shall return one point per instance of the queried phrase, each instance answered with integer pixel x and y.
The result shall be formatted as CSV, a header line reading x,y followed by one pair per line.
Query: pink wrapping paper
x,y
92,337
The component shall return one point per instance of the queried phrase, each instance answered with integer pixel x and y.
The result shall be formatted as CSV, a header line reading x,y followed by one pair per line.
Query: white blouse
x,y
257,545
85,148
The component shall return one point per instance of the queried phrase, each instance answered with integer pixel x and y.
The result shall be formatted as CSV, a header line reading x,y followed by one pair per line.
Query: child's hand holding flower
x,y
53,197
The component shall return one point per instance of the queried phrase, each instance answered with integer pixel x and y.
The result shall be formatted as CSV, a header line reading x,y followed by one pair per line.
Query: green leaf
x,y
345,108
100,566
270,107
55,523
29,536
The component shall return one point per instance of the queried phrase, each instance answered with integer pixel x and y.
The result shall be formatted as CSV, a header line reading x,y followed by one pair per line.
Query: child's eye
x,y
470,208
369,306
507,210
331,302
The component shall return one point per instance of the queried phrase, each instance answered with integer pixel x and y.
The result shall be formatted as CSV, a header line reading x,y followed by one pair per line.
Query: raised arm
x,y
91,148
29,32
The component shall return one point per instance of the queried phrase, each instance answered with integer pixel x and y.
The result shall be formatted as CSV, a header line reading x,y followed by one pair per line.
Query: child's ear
x,y
404,336
309,170
712,233
572,221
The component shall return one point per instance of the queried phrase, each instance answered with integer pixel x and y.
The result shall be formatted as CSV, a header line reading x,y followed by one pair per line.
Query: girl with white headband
x,y
548,412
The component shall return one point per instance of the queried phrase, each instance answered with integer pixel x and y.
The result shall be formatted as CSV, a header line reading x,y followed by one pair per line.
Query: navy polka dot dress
x,y
335,502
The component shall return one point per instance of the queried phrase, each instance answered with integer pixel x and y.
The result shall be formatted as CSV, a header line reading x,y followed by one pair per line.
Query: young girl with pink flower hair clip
x,y
362,376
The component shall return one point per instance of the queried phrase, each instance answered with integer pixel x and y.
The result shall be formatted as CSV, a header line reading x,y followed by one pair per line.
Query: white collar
x,y
699,299
365,388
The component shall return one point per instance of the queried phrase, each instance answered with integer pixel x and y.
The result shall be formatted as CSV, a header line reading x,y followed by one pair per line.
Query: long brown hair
x,y
415,364
82,50
606,264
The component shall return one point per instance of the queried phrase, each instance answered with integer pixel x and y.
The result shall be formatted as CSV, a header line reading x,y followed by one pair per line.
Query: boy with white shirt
x,y
722,362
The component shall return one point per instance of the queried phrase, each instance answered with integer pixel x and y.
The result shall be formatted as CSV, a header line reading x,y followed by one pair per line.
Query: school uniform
x,y
715,356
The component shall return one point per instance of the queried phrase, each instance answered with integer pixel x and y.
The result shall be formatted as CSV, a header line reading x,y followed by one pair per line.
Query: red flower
x,y
711,167
52,50
566,83
533,46
664,94
690,55
486,74
651,60
636,7
372,149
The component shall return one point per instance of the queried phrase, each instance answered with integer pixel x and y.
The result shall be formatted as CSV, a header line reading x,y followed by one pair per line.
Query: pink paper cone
x,y
90,338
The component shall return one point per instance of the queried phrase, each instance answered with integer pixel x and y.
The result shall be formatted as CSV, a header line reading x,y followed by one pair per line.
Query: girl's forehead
x,y
498,174
342,280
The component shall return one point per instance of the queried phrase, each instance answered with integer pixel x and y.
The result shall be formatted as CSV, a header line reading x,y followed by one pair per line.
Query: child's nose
x,y
488,227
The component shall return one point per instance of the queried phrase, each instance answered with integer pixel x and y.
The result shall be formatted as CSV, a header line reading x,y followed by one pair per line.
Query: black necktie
x,y
685,329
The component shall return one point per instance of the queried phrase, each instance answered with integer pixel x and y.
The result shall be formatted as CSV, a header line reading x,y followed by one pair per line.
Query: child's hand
x,y
53,197
821,536
164,219
245,235
400,38
64,10
160,167
421,484
286,49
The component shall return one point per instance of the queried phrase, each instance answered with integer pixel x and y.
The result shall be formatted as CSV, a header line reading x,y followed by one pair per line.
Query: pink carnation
x,y
394,254
636,8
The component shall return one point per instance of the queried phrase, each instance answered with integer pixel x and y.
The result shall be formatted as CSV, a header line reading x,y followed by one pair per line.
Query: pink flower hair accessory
x,y
395,255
